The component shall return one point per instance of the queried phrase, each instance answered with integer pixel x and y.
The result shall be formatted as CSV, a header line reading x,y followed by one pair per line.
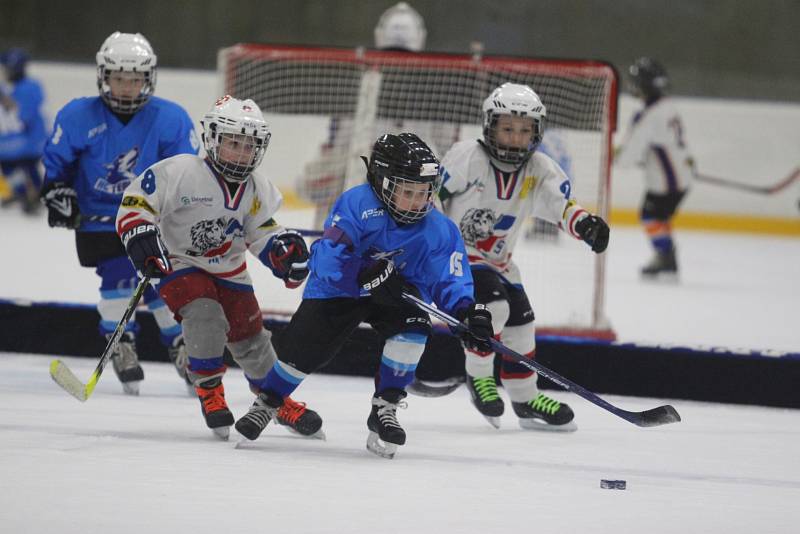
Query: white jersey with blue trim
x,y
490,205
656,141
359,231
98,155
202,223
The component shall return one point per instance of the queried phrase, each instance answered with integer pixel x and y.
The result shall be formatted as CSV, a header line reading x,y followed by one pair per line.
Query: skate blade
x,y
538,424
319,434
131,388
662,278
222,432
379,447
494,421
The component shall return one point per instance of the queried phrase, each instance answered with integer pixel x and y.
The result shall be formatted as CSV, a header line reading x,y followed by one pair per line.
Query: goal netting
x,y
327,106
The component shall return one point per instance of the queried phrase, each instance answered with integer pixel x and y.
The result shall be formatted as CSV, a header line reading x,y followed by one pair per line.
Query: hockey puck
x,y
613,484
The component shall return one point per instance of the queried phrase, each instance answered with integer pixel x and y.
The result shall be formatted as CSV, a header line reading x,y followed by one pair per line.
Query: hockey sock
x,y
111,308
660,234
169,328
283,379
518,380
401,354
118,280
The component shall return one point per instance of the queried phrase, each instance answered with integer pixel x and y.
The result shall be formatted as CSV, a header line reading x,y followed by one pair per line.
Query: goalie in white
x,y
189,221
490,188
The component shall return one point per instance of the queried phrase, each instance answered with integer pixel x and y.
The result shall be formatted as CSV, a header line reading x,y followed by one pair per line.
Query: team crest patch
x,y
477,224
214,237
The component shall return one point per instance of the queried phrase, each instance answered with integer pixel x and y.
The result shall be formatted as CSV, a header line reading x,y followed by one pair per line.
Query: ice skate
x,y
663,267
215,410
544,413
486,399
385,432
263,410
126,364
299,419
180,359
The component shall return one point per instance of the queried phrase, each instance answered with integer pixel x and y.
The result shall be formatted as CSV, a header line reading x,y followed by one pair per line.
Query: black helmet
x,y
649,78
397,164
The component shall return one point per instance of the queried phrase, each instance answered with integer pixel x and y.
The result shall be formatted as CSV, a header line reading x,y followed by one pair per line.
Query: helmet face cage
x,y
510,154
408,200
516,101
405,175
235,121
126,52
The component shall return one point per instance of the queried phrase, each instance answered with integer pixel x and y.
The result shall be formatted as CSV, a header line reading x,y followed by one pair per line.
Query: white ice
x,y
148,465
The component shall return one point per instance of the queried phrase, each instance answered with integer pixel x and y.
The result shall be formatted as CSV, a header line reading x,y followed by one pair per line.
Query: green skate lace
x,y
545,404
486,388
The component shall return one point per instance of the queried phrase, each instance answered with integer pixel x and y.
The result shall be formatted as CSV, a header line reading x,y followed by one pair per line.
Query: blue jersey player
x,y
22,129
98,147
380,239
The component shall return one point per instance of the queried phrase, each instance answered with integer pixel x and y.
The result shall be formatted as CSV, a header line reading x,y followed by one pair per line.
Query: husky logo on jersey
x,y
477,224
211,238
120,173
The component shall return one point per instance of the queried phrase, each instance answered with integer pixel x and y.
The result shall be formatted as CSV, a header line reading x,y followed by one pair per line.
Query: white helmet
x,y
126,52
231,117
401,26
519,101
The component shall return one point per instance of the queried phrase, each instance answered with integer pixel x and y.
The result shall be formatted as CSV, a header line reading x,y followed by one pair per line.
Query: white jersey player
x,y
656,142
189,221
490,188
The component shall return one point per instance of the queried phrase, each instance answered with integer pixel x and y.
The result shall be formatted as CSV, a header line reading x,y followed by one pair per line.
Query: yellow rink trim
x,y
716,222
5,189
719,222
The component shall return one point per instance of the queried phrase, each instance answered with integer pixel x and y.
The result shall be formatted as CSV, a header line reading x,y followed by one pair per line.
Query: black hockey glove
x,y
289,258
384,283
479,323
147,251
62,205
594,231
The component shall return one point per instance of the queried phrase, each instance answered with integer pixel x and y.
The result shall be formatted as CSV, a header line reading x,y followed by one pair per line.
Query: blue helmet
x,y
14,60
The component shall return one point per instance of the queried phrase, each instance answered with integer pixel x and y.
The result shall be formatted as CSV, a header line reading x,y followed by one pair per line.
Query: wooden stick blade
x,y
663,415
64,377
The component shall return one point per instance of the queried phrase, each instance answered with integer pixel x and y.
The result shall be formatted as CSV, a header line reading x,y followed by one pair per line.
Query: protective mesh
x,y
342,100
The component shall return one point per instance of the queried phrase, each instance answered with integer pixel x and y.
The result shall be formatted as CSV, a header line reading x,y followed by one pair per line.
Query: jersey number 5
x,y
455,263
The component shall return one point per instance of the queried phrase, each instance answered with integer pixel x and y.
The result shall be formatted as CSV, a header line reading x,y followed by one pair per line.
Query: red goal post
x,y
328,105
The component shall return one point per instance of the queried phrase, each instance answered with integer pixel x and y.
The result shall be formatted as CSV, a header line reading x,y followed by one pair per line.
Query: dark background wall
x,y
720,48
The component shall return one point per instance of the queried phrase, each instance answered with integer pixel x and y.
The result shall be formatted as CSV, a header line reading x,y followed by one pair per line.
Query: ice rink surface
x,y
147,464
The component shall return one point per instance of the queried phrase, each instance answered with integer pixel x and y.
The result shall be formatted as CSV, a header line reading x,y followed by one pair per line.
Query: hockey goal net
x,y
327,106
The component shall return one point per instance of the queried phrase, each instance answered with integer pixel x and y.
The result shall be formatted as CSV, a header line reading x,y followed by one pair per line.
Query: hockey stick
x,y
762,189
65,378
661,415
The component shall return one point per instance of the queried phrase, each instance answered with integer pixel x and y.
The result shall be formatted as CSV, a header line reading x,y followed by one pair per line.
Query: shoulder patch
x,y
255,207
131,201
